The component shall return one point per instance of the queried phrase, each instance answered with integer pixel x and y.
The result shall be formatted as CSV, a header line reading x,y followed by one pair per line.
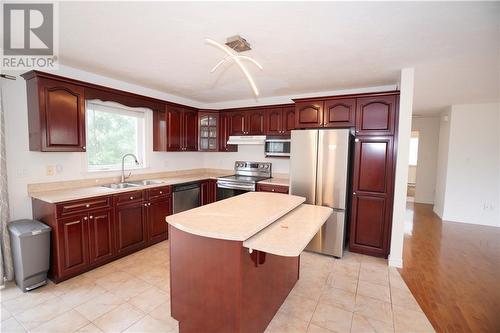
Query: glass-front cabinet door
x,y
208,131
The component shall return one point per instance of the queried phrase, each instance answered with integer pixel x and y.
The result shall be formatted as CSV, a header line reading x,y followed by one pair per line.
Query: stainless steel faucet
x,y
123,166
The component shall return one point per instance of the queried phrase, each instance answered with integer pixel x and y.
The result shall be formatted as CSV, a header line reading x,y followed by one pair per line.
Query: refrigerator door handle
x,y
319,170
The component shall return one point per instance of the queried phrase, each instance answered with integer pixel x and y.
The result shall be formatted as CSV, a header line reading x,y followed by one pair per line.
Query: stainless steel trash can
x,y
30,243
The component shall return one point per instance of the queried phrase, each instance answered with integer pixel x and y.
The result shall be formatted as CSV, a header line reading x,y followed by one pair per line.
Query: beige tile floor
x,y
355,294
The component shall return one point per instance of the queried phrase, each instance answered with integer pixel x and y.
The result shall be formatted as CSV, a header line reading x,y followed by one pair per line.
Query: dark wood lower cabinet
x,y
369,230
101,236
208,191
130,226
235,291
272,188
72,235
91,232
158,209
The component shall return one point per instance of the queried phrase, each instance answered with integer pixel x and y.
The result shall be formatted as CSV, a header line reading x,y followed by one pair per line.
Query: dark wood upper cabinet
x,y
339,112
280,120
376,115
208,126
309,114
182,129
224,132
73,244
288,119
56,115
190,130
159,130
237,123
174,128
274,121
255,122
101,236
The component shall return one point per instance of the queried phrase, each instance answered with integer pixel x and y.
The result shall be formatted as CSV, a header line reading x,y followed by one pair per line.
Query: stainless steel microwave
x,y
277,147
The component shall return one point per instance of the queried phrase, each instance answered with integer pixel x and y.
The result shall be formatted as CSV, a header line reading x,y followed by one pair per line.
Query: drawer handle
x,y
87,205
76,222
131,198
272,190
161,192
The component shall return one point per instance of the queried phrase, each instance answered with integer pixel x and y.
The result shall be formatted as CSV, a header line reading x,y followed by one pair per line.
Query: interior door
x,y
303,164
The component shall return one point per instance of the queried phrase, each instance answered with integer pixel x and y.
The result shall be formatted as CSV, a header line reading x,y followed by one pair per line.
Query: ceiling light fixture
x,y
237,59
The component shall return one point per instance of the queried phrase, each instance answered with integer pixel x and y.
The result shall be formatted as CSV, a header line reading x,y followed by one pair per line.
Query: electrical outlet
x,y
50,170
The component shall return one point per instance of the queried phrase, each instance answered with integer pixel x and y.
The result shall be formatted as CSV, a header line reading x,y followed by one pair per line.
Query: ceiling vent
x,y
238,43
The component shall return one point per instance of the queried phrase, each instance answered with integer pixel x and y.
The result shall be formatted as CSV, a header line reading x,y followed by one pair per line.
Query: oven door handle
x,y
235,186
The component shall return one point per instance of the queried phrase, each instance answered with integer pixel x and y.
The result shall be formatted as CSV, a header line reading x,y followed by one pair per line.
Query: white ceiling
x,y
304,47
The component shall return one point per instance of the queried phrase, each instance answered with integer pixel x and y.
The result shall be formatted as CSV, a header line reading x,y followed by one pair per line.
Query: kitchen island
x,y
233,262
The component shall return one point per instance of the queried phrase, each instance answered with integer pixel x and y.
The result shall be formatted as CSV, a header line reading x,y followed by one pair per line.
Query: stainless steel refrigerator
x,y
319,169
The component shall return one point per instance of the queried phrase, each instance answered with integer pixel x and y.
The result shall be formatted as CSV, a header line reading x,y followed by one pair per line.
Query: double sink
x,y
138,183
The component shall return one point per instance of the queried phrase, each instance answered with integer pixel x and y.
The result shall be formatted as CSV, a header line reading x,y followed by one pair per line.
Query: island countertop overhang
x,y
237,218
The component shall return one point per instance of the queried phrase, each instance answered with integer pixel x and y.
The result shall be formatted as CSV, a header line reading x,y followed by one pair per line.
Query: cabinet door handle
x,y
131,198
356,140
272,190
85,219
353,193
76,222
149,204
87,205
84,147
145,205
91,217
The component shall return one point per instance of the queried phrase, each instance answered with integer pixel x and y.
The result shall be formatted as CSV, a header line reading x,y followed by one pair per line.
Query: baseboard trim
x,y
396,262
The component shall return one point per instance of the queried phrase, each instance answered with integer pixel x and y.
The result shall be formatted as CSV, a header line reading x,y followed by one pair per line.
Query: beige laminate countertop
x,y
276,181
94,191
237,218
290,235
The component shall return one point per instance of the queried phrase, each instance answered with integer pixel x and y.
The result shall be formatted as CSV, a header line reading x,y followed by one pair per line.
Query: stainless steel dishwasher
x,y
186,196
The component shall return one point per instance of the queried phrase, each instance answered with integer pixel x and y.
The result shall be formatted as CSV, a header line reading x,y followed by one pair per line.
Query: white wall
x,y
442,162
425,171
471,190
401,178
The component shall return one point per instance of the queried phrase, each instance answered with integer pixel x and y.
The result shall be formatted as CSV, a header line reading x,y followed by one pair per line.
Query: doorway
x,y
412,167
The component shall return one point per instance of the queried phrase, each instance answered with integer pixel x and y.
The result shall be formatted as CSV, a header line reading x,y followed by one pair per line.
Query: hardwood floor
x,y
453,270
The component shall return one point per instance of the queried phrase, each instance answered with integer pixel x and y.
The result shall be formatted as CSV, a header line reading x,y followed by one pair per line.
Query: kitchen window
x,y
114,130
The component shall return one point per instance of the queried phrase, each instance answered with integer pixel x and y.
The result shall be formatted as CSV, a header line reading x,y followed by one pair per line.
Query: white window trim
x,y
147,144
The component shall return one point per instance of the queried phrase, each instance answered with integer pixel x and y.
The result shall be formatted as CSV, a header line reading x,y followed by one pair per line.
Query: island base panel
x,y
218,286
